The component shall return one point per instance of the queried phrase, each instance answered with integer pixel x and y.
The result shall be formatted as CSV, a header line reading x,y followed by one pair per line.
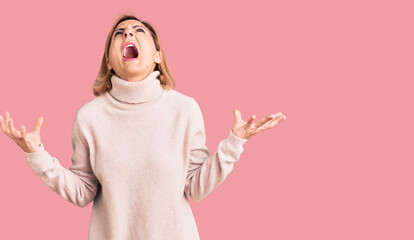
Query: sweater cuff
x,y
236,140
37,160
41,148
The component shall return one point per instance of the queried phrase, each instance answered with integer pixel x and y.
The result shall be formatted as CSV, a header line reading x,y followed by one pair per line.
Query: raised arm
x,y
78,184
207,172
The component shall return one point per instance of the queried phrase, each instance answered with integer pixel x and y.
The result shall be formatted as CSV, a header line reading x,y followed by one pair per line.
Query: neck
x,y
144,90
135,77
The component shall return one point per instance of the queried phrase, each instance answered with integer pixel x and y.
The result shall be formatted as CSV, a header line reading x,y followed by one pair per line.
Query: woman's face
x,y
132,63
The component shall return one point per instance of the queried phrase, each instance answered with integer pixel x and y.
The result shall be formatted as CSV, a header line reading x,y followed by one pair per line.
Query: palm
x,y
28,141
32,137
247,129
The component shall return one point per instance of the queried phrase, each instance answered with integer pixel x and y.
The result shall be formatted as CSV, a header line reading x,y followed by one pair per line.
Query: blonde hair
x,y
103,81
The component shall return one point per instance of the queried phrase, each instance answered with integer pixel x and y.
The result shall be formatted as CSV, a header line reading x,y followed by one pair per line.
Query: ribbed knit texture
x,y
139,152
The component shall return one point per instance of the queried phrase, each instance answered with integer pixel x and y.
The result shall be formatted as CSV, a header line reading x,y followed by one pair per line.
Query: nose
x,y
127,33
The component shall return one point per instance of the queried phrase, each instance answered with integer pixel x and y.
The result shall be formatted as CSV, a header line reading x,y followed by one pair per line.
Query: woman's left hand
x,y
247,129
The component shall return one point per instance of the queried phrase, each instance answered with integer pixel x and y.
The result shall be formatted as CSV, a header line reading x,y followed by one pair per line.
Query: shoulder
x,y
180,99
90,109
184,104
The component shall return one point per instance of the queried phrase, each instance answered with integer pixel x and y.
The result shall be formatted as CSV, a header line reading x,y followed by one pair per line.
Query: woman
x,y
139,146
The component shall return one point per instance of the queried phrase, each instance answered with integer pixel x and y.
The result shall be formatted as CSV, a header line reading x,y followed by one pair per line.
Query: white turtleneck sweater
x,y
139,152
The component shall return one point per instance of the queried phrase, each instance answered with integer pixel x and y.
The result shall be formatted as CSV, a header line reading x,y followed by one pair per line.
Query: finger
x,y
269,118
7,118
277,120
281,118
267,124
13,130
38,125
23,132
272,122
3,126
249,123
237,115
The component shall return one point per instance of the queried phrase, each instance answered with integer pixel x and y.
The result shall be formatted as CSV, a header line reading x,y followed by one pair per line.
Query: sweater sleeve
x,y
78,184
207,172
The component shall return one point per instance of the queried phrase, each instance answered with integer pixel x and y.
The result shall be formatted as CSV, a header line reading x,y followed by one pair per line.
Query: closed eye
x,y
121,31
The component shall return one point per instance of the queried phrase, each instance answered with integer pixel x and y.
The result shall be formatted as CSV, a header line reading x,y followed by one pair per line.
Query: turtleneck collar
x,y
145,90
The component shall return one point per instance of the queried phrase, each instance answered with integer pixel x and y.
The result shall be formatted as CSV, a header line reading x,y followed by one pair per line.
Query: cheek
x,y
113,56
147,51
113,52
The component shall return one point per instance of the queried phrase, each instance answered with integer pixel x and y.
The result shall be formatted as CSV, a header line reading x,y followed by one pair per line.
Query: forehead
x,y
129,23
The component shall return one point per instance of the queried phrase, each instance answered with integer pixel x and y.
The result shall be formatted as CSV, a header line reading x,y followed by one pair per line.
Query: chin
x,y
131,68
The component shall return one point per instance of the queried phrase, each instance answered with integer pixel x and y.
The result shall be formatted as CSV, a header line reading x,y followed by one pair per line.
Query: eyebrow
x,y
132,27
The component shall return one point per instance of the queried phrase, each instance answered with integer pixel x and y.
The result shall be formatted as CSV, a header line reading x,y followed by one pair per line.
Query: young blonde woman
x,y
139,145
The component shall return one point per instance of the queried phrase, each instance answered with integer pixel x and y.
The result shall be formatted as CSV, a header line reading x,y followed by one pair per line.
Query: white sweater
x,y
139,152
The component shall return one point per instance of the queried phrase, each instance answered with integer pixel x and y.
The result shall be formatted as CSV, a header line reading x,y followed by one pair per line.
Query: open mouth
x,y
130,52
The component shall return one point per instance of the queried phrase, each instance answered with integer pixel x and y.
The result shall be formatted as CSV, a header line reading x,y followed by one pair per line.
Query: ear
x,y
158,57
108,64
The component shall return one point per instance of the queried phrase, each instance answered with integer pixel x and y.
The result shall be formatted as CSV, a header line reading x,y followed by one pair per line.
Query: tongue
x,y
131,53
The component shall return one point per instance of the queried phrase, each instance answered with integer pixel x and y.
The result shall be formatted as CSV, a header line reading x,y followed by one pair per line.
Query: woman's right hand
x,y
29,142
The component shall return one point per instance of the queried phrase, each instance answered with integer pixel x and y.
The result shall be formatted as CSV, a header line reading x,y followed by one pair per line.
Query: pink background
x,y
339,167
